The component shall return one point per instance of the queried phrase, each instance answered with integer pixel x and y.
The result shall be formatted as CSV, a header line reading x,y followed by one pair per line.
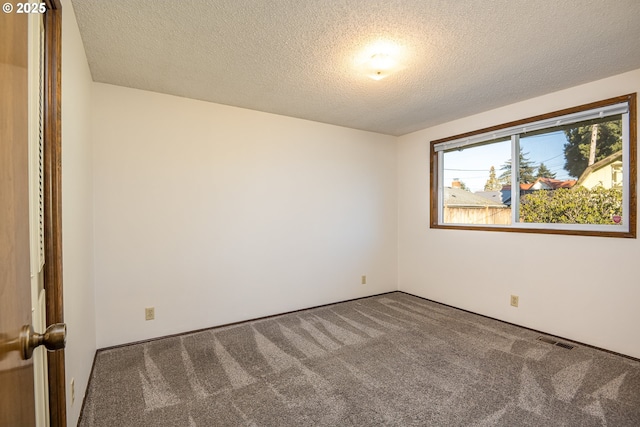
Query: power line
x,y
467,170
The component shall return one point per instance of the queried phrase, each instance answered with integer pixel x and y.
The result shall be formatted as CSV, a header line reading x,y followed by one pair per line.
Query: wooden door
x,y
16,375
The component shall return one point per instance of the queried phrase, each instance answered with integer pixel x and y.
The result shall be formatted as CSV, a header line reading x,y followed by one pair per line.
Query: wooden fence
x,y
479,215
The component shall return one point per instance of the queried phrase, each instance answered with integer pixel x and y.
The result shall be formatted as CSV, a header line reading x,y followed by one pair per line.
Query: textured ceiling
x,y
298,57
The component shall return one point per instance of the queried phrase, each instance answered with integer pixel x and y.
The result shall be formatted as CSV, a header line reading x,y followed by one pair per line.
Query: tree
x,y
492,183
577,147
544,172
526,170
578,205
464,187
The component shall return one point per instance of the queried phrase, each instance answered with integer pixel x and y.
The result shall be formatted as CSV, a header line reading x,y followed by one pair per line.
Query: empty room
x,y
299,213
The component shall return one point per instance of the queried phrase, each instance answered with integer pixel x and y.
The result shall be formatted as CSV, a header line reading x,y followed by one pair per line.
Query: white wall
x,y
215,214
77,213
583,288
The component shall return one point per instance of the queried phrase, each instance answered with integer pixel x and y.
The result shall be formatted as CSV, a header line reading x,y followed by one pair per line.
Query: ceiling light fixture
x,y
381,58
381,65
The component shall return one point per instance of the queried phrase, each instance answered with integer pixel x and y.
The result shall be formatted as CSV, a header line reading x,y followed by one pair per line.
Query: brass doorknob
x,y
54,338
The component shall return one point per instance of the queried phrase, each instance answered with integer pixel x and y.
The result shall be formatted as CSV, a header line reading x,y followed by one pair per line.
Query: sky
x,y
472,165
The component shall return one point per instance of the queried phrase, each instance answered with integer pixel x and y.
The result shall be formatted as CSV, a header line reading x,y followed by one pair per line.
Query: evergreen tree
x,y
464,187
526,170
576,150
544,172
492,183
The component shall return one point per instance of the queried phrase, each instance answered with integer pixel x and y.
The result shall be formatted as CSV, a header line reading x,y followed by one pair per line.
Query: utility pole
x,y
592,148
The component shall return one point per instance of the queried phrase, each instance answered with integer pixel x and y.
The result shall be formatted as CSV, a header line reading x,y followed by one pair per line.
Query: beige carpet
x,y
388,360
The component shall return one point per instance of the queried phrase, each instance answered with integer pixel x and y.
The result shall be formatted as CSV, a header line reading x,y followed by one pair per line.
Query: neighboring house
x,y
550,184
539,184
606,173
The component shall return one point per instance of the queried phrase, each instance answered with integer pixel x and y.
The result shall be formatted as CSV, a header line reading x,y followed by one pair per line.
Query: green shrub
x,y
572,206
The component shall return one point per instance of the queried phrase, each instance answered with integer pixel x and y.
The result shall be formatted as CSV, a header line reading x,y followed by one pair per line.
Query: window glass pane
x,y
572,175
474,192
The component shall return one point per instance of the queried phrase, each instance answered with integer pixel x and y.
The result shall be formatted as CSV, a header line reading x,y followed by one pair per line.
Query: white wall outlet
x,y
363,280
149,313
514,300
73,390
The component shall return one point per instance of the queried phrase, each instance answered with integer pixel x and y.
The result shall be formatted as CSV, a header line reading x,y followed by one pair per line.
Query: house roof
x,y
308,59
456,197
494,196
544,184
551,184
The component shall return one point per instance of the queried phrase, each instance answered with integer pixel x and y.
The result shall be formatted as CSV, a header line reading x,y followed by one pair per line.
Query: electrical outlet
x,y
73,390
364,280
514,300
149,313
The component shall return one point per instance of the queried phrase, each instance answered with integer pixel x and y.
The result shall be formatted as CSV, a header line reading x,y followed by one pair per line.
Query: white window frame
x,y
625,106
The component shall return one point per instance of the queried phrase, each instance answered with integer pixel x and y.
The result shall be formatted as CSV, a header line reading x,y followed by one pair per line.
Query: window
x,y
568,172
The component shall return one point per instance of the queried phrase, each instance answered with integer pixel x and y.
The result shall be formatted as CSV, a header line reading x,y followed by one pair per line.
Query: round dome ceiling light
x,y
380,58
381,65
